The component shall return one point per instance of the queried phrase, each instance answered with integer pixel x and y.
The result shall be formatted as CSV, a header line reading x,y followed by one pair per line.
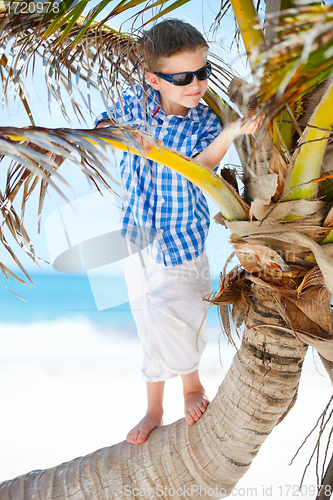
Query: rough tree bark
x,y
206,459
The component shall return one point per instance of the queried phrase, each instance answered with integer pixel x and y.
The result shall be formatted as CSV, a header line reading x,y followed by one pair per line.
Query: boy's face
x,y
177,100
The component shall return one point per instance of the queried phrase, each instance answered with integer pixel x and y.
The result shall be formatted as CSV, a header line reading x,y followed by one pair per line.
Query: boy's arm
x,y
213,154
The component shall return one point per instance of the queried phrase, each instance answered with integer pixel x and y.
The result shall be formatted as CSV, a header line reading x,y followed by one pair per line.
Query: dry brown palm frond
x,y
308,317
19,88
232,300
303,316
104,60
313,278
37,154
230,288
69,46
257,258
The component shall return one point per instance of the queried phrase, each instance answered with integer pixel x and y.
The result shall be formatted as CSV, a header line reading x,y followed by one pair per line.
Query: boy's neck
x,y
171,108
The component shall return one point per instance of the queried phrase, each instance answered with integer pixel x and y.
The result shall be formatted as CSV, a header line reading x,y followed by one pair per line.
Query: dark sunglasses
x,y
181,79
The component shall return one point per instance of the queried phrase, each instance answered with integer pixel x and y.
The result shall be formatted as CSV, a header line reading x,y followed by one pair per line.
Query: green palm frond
x,y
311,151
297,61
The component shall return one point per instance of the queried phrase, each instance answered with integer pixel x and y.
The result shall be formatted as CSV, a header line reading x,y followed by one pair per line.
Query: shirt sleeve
x,y
121,112
213,128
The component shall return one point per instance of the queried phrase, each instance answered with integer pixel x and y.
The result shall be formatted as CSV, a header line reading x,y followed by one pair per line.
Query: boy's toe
x,y
129,438
132,436
203,405
189,419
141,438
197,412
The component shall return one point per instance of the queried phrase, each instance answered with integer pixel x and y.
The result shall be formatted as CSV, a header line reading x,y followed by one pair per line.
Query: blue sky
x,y
200,13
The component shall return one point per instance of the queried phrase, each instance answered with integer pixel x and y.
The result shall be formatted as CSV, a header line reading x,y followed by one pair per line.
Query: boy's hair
x,y
166,39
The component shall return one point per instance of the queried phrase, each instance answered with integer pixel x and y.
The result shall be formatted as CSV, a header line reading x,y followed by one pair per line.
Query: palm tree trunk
x,y
207,459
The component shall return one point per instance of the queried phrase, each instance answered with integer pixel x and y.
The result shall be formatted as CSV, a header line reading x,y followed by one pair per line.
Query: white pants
x,y
169,312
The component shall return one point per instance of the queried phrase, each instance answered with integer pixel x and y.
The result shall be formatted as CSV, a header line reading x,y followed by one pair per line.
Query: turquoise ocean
x,y
69,297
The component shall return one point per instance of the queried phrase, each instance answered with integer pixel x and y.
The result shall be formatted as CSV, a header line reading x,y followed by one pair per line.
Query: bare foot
x,y
195,405
140,432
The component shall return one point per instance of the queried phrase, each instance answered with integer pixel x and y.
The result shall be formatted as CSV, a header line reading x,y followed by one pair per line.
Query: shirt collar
x,y
193,114
153,100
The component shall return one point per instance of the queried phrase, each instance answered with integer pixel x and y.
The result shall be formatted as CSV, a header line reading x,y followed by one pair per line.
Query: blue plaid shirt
x,y
157,198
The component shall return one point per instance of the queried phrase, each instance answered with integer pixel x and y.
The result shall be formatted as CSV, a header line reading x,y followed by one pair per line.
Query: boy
x,y
170,314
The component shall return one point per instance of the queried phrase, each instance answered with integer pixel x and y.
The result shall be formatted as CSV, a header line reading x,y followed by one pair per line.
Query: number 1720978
x,y
19,7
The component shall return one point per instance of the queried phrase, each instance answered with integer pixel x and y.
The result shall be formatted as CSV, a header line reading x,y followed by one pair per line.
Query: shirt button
x,y
161,230
165,132
162,200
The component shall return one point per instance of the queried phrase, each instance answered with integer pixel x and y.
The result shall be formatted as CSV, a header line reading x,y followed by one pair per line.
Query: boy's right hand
x,y
105,123
147,145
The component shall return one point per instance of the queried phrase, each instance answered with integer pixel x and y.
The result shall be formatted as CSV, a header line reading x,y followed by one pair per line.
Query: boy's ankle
x,y
197,389
192,384
155,412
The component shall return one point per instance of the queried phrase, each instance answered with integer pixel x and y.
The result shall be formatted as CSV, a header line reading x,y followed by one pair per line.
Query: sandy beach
x,y
69,388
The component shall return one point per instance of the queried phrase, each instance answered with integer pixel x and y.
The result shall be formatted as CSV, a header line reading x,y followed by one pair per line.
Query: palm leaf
x,y
104,58
167,10
311,152
247,18
66,37
20,91
298,60
221,193
86,148
99,67
37,154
